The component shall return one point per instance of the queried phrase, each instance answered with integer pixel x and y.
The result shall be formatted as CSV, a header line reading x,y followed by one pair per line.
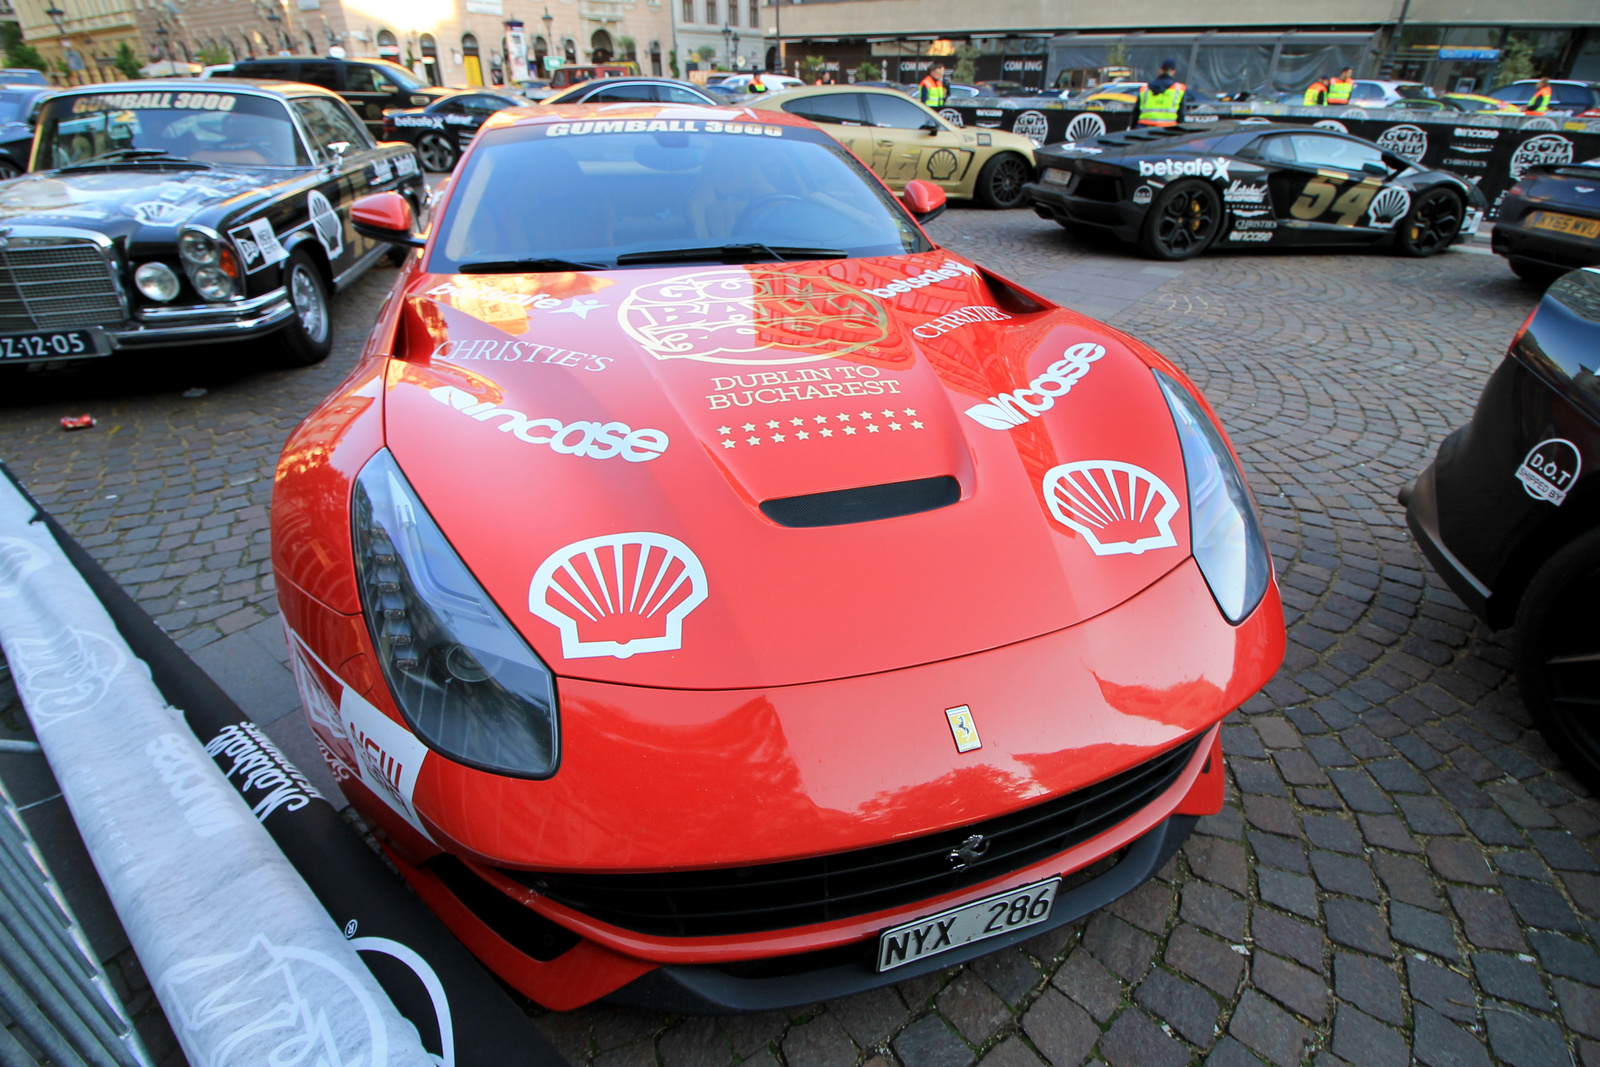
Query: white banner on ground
x,y
247,964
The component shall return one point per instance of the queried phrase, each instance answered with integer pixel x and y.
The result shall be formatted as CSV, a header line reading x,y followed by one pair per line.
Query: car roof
x,y
831,90
269,87
540,115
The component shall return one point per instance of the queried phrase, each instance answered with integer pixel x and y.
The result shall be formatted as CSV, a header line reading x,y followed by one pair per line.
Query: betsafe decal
x,y
619,594
1216,167
950,270
1550,469
1119,508
1005,410
752,317
595,440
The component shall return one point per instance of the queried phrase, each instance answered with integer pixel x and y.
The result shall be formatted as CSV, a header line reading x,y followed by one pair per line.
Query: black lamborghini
x,y
1176,191
1549,222
1508,513
443,128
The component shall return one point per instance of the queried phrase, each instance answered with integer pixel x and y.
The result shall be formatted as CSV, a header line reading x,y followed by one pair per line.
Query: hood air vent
x,y
841,507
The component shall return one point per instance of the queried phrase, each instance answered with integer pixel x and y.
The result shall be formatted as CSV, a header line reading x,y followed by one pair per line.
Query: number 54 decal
x,y
1328,195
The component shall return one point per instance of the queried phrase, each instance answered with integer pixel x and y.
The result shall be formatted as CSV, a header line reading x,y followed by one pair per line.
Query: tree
x,y
868,72
18,52
1117,55
811,67
127,62
214,55
626,47
966,70
706,53
1516,62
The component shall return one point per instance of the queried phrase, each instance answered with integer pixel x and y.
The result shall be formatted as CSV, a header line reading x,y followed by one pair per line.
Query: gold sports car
x,y
901,139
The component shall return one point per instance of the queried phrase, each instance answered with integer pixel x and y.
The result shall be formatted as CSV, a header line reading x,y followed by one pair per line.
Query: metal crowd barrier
x,y
50,983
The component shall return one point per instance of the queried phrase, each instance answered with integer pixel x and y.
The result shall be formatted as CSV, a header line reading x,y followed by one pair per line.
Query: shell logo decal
x,y
619,594
942,164
751,317
1388,207
1086,127
1119,508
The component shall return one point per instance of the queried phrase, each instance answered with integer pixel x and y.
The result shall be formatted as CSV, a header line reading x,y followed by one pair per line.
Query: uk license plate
x,y
1559,223
982,919
52,344
1057,176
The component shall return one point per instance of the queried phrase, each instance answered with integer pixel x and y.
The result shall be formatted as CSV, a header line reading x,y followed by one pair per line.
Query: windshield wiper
x,y
731,254
135,155
526,266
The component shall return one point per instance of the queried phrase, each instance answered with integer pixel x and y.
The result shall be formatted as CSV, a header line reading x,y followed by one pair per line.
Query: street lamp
x,y
549,21
738,60
55,14
727,46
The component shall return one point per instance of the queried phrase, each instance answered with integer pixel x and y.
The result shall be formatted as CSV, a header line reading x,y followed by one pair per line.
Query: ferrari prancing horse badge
x,y
963,728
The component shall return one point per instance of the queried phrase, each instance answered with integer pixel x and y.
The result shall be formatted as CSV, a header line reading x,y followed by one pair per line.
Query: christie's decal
x,y
1006,410
960,317
1119,508
618,595
1550,469
596,440
752,317
494,349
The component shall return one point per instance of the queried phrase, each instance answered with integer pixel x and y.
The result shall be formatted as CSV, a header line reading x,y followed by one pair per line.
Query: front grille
x,y
774,896
54,284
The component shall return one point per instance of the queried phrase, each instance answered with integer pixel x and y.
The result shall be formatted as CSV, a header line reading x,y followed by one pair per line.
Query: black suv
x,y
370,85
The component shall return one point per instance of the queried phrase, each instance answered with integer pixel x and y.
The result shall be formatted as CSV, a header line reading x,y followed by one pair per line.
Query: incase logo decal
x,y
1117,507
1013,409
619,594
1550,469
1178,168
592,439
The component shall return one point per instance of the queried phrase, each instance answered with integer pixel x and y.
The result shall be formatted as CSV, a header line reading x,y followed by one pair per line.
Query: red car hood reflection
x,y
598,447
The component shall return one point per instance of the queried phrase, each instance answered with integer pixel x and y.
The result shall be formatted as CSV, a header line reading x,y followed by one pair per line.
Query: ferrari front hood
x,y
644,468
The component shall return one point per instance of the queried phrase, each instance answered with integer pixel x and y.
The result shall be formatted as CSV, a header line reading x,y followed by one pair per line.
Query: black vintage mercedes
x,y
163,213
1508,513
1177,191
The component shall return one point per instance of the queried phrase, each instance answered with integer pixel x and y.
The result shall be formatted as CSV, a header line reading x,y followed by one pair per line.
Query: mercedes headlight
x,y
156,281
212,269
1227,540
463,677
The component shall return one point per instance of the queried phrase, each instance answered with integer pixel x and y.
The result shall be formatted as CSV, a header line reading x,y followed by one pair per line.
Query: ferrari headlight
x,y
463,677
1227,540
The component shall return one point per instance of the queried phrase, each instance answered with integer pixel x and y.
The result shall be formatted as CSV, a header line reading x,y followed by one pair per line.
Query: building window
x,y
755,13
688,10
711,12
733,12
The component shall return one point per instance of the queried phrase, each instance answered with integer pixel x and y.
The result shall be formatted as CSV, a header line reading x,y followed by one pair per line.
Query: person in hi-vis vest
x,y
1339,88
1539,102
1162,100
1316,93
931,90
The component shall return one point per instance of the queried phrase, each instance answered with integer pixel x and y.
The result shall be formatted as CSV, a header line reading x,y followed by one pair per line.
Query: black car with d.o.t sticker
x,y
173,212
1549,222
1178,190
1508,513
443,129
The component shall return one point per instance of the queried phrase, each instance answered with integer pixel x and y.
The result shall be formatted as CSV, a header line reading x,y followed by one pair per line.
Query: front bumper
x,y
204,325
1051,201
655,780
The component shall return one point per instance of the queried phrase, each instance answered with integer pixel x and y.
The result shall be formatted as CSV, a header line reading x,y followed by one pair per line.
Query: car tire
x,y
1433,222
437,153
1182,222
1557,651
1535,274
1001,180
308,336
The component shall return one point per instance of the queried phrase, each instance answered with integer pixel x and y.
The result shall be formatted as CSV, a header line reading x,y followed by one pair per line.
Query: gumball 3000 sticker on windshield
x,y
618,595
752,317
1550,470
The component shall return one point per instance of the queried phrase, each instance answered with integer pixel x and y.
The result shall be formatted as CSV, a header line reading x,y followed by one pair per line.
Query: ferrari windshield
x,y
205,127
603,194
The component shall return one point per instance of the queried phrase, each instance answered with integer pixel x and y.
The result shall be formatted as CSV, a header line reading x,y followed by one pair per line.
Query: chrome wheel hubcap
x,y
308,303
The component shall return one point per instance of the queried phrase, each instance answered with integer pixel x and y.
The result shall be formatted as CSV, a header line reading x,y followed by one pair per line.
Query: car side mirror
x,y
338,148
385,217
1375,168
924,200
418,100
931,127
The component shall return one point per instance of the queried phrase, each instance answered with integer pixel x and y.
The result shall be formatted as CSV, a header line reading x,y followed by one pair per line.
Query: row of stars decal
x,y
895,421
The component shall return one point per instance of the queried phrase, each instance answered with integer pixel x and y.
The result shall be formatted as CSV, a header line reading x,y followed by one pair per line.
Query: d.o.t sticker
x,y
1550,470
325,221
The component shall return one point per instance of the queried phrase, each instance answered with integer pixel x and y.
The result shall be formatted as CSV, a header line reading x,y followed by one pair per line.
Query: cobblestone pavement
x,y
1402,872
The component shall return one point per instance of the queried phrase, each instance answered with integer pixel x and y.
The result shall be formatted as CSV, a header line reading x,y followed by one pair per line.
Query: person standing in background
x,y
1317,93
931,90
1162,100
1339,88
1539,102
